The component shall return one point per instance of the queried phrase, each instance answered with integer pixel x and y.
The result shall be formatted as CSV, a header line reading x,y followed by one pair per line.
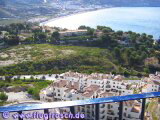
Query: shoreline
x,y
68,15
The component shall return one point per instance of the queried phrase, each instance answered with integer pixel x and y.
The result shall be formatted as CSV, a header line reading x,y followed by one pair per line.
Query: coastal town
x,y
42,10
72,86
79,60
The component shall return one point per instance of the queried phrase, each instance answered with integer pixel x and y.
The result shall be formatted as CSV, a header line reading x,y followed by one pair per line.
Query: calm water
x,y
137,19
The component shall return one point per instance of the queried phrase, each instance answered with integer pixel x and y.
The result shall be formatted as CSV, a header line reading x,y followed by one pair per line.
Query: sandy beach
x,y
81,12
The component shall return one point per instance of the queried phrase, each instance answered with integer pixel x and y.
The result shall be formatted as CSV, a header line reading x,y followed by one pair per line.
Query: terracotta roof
x,y
72,85
136,109
118,78
88,93
68,90
92,88
129,103
106,94
60,84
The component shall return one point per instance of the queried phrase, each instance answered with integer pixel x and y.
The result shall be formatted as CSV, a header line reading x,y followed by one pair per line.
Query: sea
x,y
136,19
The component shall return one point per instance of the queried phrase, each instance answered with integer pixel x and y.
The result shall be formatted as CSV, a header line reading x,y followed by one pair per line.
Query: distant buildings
x,y
72,33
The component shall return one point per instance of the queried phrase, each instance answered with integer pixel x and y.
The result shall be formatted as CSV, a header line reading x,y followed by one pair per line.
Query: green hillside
x,y
45,58
37,52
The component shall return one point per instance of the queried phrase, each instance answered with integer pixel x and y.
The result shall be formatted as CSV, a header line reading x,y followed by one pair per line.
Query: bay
x,y
136,19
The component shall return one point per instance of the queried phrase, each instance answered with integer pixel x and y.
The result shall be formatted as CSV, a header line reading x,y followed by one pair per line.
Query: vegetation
x,y
152,108
46,58
33,86
3,97
34,91
116,51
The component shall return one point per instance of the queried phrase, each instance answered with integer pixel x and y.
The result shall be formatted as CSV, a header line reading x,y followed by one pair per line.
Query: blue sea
x,y
137,19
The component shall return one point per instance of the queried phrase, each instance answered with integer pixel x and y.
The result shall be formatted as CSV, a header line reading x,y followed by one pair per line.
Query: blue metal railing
x,y
96,101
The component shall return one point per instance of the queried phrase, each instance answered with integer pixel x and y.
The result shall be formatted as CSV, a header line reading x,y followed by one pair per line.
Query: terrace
x,y
96,101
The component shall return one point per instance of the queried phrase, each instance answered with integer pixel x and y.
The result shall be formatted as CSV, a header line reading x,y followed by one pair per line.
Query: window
x,y
129,115
109,118
109,106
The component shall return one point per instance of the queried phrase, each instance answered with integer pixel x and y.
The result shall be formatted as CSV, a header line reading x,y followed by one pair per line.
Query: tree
x,y
55,37
29,40
32,78
105,40
83,27
106,30
126,74
40,37
90,31
104,27
43,77
117,53
12,40
3,97
150,36
8,78
120,32
56,76
34,92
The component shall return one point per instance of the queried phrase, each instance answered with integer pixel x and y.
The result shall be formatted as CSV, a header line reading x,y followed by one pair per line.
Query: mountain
x,y
138,3
121,3
26,9
126,3
145,3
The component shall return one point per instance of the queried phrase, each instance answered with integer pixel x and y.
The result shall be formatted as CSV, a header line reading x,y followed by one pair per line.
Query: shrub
x,y
3,97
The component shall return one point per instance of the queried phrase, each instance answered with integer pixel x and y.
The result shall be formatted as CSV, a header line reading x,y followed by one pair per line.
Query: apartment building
x,y
77,86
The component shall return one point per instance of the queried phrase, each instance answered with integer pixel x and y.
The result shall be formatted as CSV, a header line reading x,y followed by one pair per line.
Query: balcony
x,y
102,112
71,104
108,86
110,112
102,106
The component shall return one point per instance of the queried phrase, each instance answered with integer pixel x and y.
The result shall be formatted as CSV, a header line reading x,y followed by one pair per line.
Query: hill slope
x,y
127,3
44,58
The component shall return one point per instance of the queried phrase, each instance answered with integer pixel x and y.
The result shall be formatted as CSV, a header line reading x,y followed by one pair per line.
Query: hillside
x,y
128,3
37,52
31,8
120,3
44,58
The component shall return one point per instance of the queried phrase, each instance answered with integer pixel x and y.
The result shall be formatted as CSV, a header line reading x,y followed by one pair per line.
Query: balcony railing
x,y
72,104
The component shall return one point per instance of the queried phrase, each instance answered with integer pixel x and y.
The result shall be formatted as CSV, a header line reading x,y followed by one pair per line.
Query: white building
x,y
76,86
